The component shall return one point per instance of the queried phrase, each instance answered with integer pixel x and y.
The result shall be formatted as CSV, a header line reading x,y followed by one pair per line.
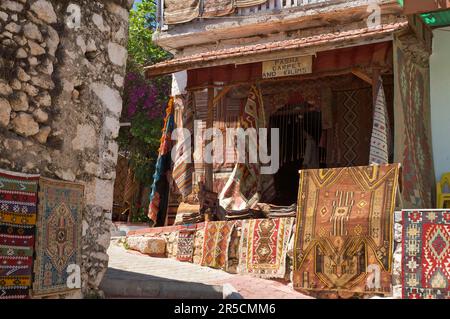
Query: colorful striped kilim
x,y
58,241
18,199
426,254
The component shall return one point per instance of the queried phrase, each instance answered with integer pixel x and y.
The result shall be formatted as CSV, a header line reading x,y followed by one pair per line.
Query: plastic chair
x,y
443,191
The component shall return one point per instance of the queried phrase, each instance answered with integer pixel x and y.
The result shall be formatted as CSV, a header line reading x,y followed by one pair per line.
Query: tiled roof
x,y
210,58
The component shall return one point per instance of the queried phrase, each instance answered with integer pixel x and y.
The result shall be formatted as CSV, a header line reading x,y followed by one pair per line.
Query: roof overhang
x,y
278,49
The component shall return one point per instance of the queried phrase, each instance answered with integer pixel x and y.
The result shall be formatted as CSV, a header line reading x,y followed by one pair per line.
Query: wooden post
x,y
209,124
375,75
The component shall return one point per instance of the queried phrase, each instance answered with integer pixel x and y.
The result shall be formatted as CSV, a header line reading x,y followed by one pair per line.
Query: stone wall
x,y
62,67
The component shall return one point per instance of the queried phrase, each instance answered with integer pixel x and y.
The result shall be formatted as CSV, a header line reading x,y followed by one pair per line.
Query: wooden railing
x,y
269,6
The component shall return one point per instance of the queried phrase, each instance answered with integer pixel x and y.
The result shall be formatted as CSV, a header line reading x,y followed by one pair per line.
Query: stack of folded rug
x,y
274,211
188,214
242,214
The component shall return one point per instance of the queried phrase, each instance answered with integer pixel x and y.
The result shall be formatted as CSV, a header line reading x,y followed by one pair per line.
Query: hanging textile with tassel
x,y
158,193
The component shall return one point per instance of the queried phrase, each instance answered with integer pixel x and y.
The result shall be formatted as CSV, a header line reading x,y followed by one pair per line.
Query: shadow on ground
x,y
126,284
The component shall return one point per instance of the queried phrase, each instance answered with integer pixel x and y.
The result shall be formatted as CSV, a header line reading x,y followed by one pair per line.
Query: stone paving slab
x,y
169,278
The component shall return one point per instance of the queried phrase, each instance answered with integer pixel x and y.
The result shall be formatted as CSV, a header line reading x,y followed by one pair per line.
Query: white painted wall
x,y
440,100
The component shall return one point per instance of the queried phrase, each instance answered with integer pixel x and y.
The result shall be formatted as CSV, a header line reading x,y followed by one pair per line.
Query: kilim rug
x,y
379,143
352,113
413,148
217,8
244,187
177,11
159,193
185,247
58,239
263,247
426,254
183,167
344,240
18,198
216,242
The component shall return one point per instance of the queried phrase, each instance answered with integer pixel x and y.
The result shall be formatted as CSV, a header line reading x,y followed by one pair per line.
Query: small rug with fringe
x,y
185,247
58,240
263,247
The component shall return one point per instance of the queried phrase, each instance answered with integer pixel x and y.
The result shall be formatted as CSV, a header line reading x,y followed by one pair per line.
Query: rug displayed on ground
x,y
344,237
18,198
185,249
216,243
263,247
426,254
58,241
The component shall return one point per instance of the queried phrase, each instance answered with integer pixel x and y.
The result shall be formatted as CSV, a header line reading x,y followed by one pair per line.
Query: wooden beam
x,y
363,75
221,94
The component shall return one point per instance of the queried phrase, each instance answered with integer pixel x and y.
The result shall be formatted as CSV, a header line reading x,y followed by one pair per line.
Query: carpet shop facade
x,y
343,97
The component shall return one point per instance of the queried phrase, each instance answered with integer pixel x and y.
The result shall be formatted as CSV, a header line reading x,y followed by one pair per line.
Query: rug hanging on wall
x,y
353,126
58,239
185,248
263,247
248,3
18,199
426,254
216,242
344,240
412,115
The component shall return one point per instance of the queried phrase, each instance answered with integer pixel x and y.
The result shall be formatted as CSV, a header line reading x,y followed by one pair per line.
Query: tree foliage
x,y
144,100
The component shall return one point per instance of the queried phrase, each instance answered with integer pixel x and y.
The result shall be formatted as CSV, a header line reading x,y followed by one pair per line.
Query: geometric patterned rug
x,y
426,254
18,198
185,245
216,243
344,238
58,240
263,247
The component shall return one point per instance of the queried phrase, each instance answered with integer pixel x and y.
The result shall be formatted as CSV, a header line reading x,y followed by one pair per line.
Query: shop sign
x,y
287,67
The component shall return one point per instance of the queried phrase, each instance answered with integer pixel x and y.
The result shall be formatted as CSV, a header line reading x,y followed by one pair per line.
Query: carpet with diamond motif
x,y
426,254
58,240
263,247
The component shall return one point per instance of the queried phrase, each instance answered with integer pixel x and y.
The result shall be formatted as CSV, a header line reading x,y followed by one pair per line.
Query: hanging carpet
x,y
248,3
185,245
58,240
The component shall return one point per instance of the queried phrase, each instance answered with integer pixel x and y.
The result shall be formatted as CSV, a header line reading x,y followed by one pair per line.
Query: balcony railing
x,y
269,6
272,5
